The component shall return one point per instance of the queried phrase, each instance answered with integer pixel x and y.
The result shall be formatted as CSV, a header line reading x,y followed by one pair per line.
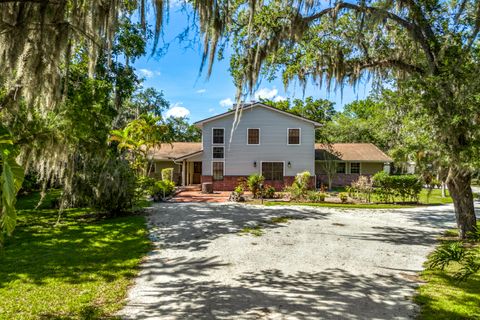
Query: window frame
x,y
213,152
213,141
344,167
259,136
283,171
359,167
299,137
223,170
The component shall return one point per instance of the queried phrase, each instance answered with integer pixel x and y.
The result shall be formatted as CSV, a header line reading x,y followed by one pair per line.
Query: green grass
x,y
78,269
444,297
434,199
255,231
339,205
283,219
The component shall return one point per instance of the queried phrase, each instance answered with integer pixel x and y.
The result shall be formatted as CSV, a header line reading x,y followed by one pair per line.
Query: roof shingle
x,y
352,152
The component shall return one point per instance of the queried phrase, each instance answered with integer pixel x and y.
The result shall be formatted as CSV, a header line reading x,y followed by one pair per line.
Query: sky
x,y
176,73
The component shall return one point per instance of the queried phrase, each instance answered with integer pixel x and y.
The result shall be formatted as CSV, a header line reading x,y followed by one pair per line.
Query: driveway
x,y
323,264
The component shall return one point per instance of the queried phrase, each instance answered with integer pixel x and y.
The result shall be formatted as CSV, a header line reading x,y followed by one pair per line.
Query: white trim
x,y
257,104
259,137
218,144
261,168
299,137
359,167
211,168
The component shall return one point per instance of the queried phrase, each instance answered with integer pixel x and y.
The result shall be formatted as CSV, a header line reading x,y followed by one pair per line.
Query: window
x,y
341,167
253,136
218,135
217,168
218,152
355,167
272,170
293,136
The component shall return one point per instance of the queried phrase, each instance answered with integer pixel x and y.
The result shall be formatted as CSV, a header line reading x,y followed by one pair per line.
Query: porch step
x,y
192,187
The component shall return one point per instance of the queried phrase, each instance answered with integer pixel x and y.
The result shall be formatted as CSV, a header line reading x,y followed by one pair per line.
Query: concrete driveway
x,y
324,264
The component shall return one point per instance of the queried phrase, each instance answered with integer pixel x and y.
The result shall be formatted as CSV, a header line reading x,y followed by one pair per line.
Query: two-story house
x,y
265,140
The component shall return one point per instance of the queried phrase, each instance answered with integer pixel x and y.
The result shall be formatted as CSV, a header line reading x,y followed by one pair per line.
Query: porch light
x,y
254,164
289,164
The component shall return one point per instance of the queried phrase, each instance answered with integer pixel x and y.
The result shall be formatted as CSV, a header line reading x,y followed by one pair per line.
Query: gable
x,y
252,106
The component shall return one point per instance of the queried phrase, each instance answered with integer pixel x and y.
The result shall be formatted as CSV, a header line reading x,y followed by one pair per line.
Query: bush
x,y
314,196
269,192
253,182
145,186
239,190
114,191
299,189
163,188
407,187
360,189
167,174
343,197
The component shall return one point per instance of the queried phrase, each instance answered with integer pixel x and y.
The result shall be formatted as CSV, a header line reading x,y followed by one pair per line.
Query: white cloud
x,y
201,91
146,73
266,93
157,73
177,111
226,103
211,110
279,98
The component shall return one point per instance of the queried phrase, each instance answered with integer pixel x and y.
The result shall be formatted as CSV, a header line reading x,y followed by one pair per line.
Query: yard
x,y
78,269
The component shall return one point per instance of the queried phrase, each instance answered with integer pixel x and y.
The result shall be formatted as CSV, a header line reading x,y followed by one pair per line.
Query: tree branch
x,y
414,29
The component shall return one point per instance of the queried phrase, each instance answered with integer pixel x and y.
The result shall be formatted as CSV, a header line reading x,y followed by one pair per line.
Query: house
x,y
266,140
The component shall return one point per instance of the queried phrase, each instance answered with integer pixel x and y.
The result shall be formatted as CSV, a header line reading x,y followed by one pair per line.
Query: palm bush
x,y
163,189
253,182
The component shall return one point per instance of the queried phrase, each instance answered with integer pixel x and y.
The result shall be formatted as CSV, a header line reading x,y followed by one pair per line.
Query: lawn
x,y
435,198
78,269
443,297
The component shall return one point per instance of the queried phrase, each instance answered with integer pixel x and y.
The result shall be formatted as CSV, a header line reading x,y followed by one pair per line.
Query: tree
x,y
182,131
430,49
329,162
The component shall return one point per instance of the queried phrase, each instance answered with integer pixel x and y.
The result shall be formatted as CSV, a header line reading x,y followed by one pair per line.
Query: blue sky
x,y
176,73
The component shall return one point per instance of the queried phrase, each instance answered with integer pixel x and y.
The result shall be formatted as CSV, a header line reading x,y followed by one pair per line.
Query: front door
x,y
197,172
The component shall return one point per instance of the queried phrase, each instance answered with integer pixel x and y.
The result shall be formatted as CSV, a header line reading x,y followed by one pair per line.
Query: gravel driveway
x,y
323,264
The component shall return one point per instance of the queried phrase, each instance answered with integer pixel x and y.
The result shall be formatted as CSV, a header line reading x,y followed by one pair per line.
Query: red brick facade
x,y
230,182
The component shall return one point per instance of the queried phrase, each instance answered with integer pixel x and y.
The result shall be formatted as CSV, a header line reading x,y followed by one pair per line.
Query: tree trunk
x,y
443,189
458,182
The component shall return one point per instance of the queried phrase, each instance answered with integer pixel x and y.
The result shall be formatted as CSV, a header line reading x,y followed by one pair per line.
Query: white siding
x,y
239,156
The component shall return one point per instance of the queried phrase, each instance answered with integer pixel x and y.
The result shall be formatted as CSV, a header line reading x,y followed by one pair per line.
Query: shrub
x,y
239,190
167,174
163,188
296,194
145,186
407,187
314,196
269,192
253,182
361,189
343,197
114,190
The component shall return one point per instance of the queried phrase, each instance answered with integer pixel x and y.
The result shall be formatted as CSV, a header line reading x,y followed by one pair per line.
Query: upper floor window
x,y
355,167
218,135
218,152
294,136
253,136
341,167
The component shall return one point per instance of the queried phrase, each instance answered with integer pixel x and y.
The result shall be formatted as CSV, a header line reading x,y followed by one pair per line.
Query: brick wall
x,y
230,182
